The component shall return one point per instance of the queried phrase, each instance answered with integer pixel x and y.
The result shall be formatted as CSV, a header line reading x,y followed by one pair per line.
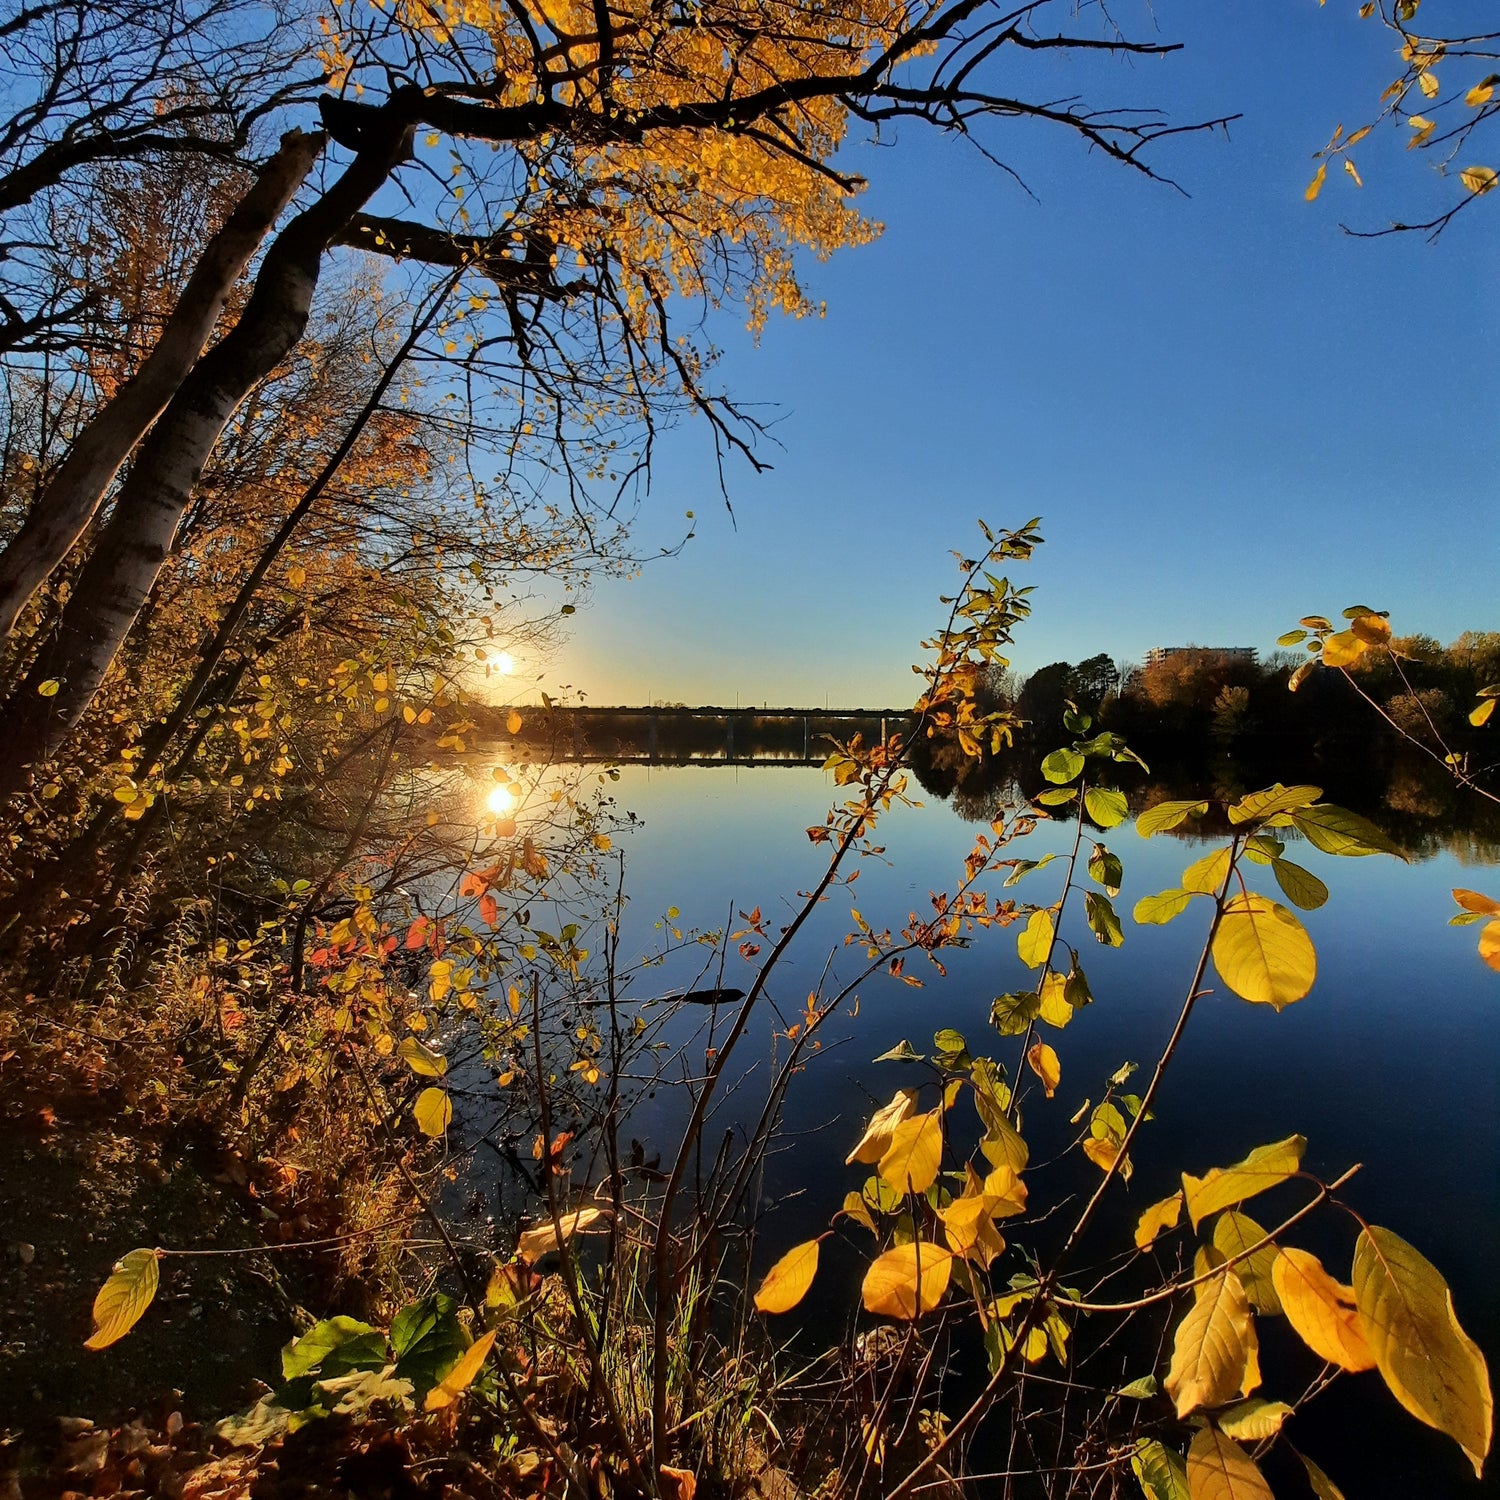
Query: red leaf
x,y
489,909
417,933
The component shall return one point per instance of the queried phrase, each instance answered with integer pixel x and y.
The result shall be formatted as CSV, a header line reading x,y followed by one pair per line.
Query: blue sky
x,y
1227,411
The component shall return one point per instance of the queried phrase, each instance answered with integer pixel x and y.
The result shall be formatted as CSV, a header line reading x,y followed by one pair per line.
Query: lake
x,y
1393,1059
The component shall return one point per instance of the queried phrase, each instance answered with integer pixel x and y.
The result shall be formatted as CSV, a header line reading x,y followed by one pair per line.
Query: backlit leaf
x,y
969,1228
874,1143
1105,806
1062,766
1219,1469
891,1286
1159,909
1321,1310
1372,629
1479,179
546,1237
1159,1216
422,1059
1223,1187
1206,875
1044,1063
1433,1368
1255,1420
855,1208
1335,830
124,1297
1161,1472
1489,944
1102,918
915,1154
462,1375
1211,1347
1166,815
1034,941
1322,1486
1262,952
1316,185
1343,649
1473,901
1234,1234
1274,799
1300,887
787,1282
433,1111
1010,1015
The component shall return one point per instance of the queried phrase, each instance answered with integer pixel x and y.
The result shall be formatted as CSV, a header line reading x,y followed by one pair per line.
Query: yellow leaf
x,y
433,1111
1005,1192
543,1239
1316,185
1219,1469
1206,875
681,1484
1262,952
513,722
1254,1421
1427,82
462,1375
124,1297
857,1209
49,689
423,1060
1034,941
1489,944
296,575
1373,630
891,1287
969,1228
1223,1187
1003,1145
1322,1486
1321,1310
915,1154
1102,1152
1480,94
1353,171
787,1281
1342,649
1233,1235
1044,1063
877,1137
1210,1350
1433,1368
1478,179
1159,1216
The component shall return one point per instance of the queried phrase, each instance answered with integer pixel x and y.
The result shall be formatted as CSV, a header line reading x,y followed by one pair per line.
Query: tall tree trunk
x,y
73,498
135,541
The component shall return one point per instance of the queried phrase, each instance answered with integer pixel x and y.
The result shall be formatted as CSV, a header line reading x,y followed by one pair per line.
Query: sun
x,y
501,800
502,662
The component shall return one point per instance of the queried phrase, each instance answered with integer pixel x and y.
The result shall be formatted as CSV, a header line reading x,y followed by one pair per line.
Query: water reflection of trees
x,y
1409,797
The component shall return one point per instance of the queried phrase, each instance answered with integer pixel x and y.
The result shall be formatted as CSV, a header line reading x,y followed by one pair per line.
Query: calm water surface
x,y
1393,1060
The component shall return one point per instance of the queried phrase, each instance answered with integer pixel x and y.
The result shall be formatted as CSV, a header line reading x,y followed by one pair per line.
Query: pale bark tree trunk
x,y
73,498
134,543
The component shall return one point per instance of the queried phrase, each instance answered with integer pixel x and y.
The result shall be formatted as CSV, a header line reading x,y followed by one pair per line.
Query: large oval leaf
x,y
124,1297
876,1140
787,1281
1160,1471
1262,952
891,1287
1321,1309
1219,1469
1159,1216
912,1160
1211,1350
1234,1234
1223,1187
433,1111
1167,815
1434,1369
1336,830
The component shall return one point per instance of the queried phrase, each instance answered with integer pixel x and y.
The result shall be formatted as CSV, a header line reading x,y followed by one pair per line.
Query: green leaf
x,y
1261,848
334,1347
1062,766
1106,869
1010,1015
1291,638
428,1341
1335,830
1034,941
1103,919
1105,806
1255,1420
422,1059
1057,796
1139,1390
1207,875
433,1111
1166,815
1223,1187
903,1051
1159,909
1161,1472
1262,952
122,1299
1301,887
1076,989
1274,799
1433,1368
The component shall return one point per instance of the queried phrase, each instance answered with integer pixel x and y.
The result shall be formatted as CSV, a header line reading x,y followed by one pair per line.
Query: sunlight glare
x,y
503,662
501,800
